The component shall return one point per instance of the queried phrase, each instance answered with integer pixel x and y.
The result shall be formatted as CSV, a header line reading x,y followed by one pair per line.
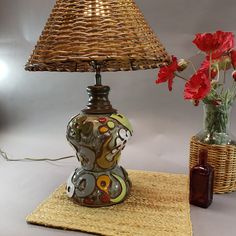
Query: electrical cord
x,y
5,157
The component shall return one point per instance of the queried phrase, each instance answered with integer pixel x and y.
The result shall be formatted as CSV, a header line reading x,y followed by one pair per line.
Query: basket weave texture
x,y
158,205
223,159
113,32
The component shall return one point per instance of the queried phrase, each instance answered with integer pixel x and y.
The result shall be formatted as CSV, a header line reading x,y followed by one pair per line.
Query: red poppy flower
x,y
233,58
206,42
166,73
198,86
226,40
217,43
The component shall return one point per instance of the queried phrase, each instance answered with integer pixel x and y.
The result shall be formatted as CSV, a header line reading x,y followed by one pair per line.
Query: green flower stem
x,y
234,91
210,66
217,118
216,124
194,68
224,73
179,76
218,73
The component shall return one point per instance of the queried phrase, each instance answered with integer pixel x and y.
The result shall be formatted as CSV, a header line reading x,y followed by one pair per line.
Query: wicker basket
x,y
223,159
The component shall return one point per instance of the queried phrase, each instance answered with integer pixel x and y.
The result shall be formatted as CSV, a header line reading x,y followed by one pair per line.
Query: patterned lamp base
x,y
98,140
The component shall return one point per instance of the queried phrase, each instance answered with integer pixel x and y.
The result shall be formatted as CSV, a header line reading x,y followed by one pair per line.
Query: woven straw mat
x,y
158,206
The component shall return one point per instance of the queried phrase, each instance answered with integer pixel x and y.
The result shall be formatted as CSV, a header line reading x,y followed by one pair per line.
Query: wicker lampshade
x,y
111,32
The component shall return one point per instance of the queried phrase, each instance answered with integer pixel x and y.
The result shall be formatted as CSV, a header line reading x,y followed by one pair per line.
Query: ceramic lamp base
x,y
99,189
98,141
98,135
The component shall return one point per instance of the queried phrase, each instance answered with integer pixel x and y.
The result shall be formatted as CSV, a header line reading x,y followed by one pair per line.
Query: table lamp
x,y
97,36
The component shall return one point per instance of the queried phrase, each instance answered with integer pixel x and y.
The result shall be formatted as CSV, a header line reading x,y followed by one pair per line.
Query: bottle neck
x,y
203,157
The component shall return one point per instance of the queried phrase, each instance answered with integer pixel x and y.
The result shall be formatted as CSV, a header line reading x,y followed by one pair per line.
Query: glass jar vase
x,y
216,126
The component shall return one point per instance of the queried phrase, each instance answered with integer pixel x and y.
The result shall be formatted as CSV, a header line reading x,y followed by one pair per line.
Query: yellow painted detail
x,y
118,157
101,159
123,120
111,124
103,182
123,190
103,129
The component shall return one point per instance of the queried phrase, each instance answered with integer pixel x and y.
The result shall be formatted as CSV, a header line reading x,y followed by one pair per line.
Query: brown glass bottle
x,y
201,182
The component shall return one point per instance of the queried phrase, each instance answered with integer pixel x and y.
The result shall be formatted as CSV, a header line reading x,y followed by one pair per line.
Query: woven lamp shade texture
x,y
111,32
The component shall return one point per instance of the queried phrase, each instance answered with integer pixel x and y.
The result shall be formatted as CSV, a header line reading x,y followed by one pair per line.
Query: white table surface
x,y
25,184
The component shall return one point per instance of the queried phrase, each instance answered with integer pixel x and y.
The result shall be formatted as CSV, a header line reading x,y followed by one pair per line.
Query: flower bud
x,y
182,64
234,75
214,73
